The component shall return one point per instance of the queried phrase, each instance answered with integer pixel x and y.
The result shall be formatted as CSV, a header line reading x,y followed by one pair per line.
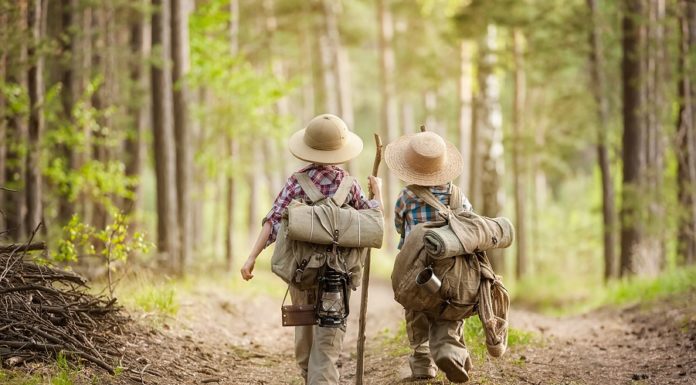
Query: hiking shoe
x,y
424,374
454,370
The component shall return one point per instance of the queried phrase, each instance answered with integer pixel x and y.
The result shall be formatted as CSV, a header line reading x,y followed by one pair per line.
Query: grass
x,y
557,296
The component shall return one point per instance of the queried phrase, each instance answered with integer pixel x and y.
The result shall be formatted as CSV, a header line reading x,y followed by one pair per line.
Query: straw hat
x,y
424,159
325,140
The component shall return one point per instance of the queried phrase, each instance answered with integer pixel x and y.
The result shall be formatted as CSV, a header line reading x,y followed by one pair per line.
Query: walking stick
x,y
360,369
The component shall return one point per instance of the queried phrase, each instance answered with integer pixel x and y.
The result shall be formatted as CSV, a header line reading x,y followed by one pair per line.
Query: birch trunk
x,y
519,173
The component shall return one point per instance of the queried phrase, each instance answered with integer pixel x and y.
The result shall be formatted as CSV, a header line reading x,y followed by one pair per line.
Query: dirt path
x,y
239,340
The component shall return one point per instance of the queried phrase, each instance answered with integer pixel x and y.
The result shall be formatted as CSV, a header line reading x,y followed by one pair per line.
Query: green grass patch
x,y
8,377
556,296
395,344
475,338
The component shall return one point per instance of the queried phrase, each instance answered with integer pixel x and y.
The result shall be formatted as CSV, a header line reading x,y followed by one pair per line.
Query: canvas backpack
x,y
300,263
469,284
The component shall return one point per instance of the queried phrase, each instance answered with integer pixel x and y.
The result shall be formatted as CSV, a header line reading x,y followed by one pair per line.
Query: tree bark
x,y
182,127
686,134
135,141
34,190
3,125
491,137
15,203
519,177
163,130
466,90
599,92
633,75
388,110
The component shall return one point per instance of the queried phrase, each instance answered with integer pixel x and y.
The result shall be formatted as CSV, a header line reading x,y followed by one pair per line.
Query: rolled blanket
x,y
466,234
319,223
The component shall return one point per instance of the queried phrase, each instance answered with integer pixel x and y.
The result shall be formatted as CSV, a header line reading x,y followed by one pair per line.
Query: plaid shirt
x,y
327,179
410,210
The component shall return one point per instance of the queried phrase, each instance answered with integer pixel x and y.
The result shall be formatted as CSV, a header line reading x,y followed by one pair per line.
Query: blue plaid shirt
x,y
410,210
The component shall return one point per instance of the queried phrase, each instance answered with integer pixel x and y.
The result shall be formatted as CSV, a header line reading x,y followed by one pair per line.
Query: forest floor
x,y
221,337
217,338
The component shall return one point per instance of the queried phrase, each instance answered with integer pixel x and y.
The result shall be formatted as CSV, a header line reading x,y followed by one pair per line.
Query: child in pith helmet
x,y
325,143
425,159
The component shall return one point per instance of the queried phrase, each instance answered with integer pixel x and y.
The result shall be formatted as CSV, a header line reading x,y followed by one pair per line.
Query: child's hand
x,y
248,268
375,185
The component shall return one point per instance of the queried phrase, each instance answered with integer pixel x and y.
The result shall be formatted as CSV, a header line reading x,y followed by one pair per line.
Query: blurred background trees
x,y
576,118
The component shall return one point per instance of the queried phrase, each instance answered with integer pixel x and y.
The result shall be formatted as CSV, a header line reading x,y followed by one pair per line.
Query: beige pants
x,y
316,348
437,342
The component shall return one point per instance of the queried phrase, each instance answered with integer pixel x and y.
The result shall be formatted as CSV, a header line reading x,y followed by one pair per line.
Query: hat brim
x,y
350,150
395,157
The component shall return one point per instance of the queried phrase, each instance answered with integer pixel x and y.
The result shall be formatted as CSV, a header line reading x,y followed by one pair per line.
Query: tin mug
x,y
428,280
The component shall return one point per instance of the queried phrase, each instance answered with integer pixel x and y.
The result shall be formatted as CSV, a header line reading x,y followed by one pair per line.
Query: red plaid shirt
x,y
327,179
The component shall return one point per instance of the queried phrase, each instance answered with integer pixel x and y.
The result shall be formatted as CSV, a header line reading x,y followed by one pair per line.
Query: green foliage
x,y
64,375
241,94
160,299
113,243
100,181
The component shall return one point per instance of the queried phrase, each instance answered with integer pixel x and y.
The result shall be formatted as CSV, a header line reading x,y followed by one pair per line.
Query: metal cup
x,y
428,280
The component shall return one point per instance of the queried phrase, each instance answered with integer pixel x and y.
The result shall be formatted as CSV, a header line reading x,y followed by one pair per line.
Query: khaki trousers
x,y
316,348
436,342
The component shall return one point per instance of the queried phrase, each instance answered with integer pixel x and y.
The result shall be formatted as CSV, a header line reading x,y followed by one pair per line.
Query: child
x,y
425,159
325,142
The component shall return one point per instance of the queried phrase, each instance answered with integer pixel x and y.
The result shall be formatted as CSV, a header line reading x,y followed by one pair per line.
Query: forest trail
x,y
218,338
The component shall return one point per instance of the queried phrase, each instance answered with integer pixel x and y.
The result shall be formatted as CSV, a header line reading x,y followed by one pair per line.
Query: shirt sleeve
x,y
358,199
286,195
399,212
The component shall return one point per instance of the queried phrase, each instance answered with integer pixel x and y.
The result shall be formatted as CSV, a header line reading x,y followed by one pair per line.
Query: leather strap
x,y
343,190
309,188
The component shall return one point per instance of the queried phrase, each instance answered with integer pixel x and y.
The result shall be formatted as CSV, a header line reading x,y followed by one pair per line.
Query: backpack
x,y
468,283
300,263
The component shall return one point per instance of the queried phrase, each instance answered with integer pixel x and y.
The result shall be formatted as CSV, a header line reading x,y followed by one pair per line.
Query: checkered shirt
x,y
410,210
327,179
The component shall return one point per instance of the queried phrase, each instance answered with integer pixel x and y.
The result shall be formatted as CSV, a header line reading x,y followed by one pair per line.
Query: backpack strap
x,y
343,190
309,187
428,197
455,201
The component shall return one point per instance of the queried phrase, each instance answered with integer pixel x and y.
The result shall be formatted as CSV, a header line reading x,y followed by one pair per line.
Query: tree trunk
x,y
491,137
430,106
254,172
686,134
15,203
97,214
163,130
388,111
34,191
182,127
230,239
135,142
598,81
69,92
633,137
519,173
4,138
465,108
408,117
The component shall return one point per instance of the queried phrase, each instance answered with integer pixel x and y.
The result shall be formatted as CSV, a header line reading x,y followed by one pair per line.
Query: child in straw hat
x,y
325,143
425,159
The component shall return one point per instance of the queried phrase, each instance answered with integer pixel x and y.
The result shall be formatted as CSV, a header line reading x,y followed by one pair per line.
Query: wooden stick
x,y
23,247
360,367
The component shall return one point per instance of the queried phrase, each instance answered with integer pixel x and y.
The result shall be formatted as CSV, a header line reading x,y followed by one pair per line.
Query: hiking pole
x,y
360,369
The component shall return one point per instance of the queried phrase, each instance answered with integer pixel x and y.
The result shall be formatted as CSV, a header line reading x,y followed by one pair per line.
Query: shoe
x,y
454,371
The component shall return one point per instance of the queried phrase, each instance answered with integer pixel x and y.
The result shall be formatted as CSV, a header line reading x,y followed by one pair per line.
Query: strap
x,y
309,187
455,197
285,297
343,190
428,197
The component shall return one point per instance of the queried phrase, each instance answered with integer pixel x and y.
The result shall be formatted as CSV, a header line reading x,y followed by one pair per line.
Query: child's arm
x,y
259,245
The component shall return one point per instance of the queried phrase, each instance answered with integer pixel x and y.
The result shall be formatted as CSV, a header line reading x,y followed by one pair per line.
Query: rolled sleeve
x,y
286,195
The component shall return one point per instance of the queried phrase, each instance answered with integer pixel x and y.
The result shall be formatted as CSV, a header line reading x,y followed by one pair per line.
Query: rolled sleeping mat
x,y
318,224
468,233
